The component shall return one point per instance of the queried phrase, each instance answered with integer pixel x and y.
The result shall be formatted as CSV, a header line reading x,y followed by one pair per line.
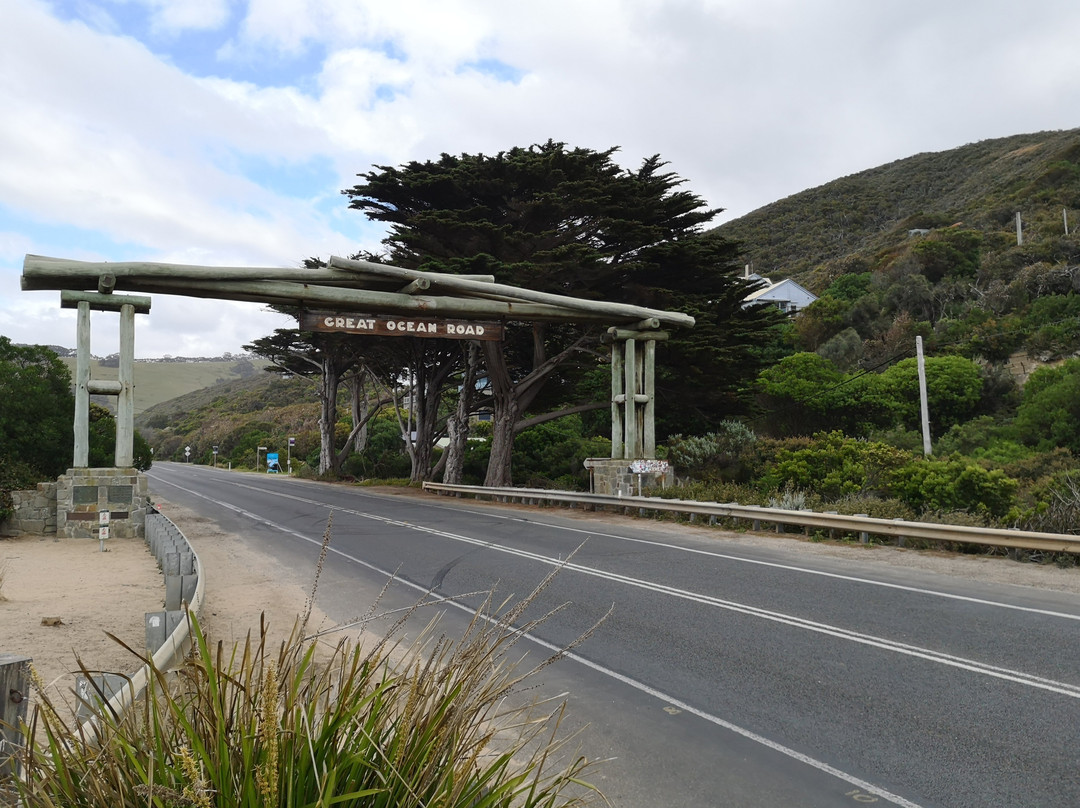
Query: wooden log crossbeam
x,y
337,284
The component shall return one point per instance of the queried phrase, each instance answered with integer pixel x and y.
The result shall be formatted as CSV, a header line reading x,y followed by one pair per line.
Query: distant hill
x,y
161,380
980,186
927,246
263,409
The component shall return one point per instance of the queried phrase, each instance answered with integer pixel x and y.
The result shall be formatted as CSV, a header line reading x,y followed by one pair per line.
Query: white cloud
x,y
750,100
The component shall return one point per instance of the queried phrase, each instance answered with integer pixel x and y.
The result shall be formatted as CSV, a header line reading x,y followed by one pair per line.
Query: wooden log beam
x,y
42,273
100,302
453,283
363,300
339,279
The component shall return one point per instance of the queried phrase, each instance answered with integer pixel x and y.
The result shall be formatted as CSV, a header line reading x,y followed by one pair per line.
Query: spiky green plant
x,y
313,725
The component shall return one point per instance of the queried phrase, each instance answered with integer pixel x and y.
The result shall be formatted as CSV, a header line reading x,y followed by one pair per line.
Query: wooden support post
x,y
81,457
14,698
648,449
630,447
125,402
616,400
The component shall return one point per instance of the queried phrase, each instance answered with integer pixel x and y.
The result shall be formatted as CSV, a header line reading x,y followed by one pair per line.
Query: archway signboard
x,y
381,325
359,297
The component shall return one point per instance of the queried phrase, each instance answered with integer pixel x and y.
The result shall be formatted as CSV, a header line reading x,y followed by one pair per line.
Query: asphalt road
x,y
726,675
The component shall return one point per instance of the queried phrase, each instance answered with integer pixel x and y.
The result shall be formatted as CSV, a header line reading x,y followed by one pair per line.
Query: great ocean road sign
x,y
397,326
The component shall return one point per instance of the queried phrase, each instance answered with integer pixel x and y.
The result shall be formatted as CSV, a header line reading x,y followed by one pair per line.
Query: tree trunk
x,y
510,399
502,443
328,388
457,427
506,409
360,409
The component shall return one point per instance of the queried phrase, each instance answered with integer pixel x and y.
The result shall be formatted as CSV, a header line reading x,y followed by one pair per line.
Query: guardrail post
x,y
14,697
159,625
864,537
95,691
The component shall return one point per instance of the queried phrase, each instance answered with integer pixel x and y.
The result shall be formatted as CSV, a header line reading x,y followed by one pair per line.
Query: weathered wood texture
x,y
14,698
344,283
348,285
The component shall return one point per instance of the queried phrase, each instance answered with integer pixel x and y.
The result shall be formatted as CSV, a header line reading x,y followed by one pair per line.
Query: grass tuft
x,y
307,724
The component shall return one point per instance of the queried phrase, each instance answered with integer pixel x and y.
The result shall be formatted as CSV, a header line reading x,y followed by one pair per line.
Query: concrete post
x,y
924,409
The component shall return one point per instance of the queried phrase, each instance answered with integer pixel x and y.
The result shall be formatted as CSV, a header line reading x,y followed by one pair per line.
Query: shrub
x,y
953,387
259,727
834,466
554,453
949,485
1049,415
36,409
713,492
720,455
1055,504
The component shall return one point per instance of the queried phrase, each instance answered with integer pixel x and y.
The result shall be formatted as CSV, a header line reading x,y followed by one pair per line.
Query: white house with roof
x,y
787,295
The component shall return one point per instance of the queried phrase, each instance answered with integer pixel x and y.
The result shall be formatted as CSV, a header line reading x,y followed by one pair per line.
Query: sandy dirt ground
x,y
60,597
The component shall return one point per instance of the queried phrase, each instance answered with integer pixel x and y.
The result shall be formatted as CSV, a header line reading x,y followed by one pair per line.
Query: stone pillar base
x,y
82,494
618,477
35,511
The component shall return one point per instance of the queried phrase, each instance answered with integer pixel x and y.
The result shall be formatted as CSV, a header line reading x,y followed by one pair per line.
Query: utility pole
x,y
1019,231
923,407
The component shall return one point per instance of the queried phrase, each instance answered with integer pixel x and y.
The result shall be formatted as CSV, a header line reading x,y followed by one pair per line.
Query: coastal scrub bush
x,y
955,485
721,455
553,454
834,465
302,725
1049,415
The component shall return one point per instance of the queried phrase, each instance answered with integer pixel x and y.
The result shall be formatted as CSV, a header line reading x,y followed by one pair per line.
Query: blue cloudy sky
x,y
221,132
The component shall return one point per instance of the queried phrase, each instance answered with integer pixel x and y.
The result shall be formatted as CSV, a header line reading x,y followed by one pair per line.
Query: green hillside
x,y
263,409
980,186
928,247
158,381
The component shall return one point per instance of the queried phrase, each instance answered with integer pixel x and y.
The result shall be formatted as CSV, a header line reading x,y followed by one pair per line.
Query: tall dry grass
x,y
306,724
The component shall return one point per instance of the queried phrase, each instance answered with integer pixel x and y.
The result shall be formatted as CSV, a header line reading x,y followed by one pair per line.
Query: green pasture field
x,y
160,381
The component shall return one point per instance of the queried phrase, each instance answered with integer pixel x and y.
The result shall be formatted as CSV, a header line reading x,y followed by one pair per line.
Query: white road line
x,y
821,766
726,557
918,652
759,562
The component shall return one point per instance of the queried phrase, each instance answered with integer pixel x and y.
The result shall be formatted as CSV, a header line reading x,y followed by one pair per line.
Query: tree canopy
x,y
36,409
571,221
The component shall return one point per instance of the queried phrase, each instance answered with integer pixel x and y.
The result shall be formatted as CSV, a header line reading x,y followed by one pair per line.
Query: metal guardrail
x,y
183,590
865,526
